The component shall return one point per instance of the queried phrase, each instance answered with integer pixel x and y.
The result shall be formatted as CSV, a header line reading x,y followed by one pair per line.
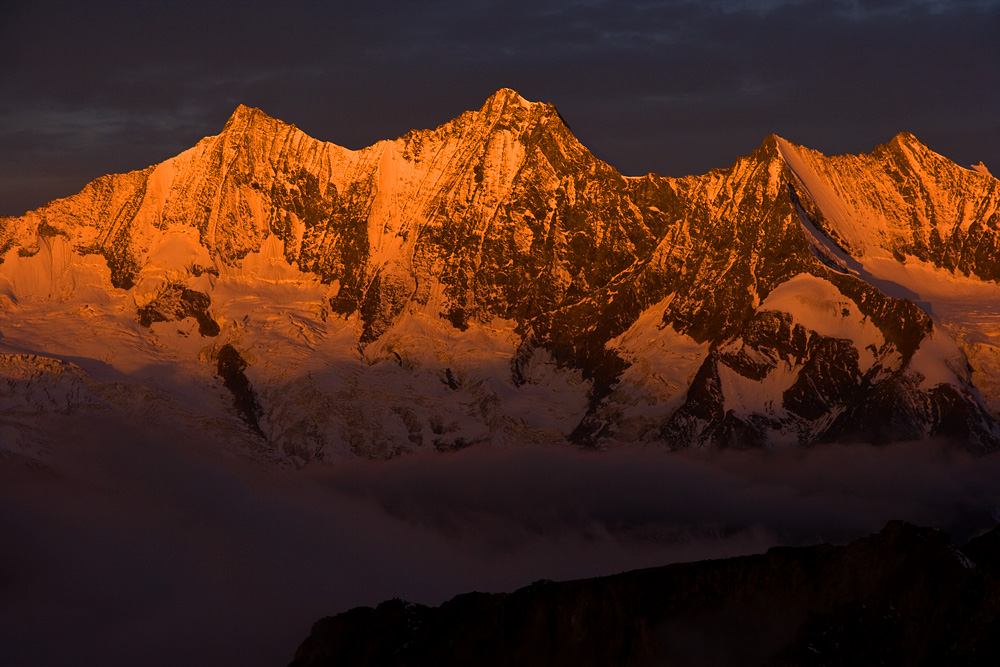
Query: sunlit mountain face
x,y
491,282
251,367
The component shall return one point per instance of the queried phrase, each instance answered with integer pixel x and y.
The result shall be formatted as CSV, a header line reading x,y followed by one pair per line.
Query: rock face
x,y
490,281
903,596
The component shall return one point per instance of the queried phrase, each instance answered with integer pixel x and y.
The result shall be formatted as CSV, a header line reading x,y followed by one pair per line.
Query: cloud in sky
x,y
139,549
674,87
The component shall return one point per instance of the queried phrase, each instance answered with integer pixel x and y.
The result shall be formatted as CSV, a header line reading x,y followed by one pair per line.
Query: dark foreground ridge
x,y
904,596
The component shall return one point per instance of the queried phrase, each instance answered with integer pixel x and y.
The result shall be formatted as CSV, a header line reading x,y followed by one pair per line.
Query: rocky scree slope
x,y
490,281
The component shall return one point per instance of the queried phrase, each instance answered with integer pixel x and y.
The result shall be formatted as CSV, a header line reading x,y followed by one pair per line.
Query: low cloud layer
x,y
159,553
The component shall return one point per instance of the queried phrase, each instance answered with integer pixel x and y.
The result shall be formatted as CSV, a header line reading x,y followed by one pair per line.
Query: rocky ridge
x,y
490,281
905,595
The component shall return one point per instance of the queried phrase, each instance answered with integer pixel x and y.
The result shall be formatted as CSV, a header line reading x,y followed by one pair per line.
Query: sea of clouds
x,y
127,548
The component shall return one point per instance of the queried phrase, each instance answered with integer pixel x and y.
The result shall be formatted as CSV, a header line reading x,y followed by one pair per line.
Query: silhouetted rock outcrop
x,y
904,596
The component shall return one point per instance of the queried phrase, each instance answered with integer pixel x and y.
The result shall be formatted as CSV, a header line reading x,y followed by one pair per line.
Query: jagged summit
x,y
245,118
242,114
506,108
507,101
901,140
905,138
508,96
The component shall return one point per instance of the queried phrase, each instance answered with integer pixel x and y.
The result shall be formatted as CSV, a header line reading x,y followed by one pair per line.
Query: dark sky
x,y
673,86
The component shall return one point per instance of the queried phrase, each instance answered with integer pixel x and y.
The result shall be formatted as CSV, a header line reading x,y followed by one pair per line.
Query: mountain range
x,y
491,282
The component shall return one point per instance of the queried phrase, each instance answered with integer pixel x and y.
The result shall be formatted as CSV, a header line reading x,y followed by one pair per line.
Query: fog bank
x,y
132,549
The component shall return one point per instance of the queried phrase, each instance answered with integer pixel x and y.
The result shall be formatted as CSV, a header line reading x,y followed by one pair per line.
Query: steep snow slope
x,y
918,227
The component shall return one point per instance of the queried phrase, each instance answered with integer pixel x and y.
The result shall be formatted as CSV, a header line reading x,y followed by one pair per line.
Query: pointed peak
x,y
508,96
771,147
243,117
906,139
909,147
782,144
773,142
506,108
507,101
783,148
242,114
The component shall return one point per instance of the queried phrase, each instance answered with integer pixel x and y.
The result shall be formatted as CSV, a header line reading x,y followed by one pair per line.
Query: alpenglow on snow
x,y
491,282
